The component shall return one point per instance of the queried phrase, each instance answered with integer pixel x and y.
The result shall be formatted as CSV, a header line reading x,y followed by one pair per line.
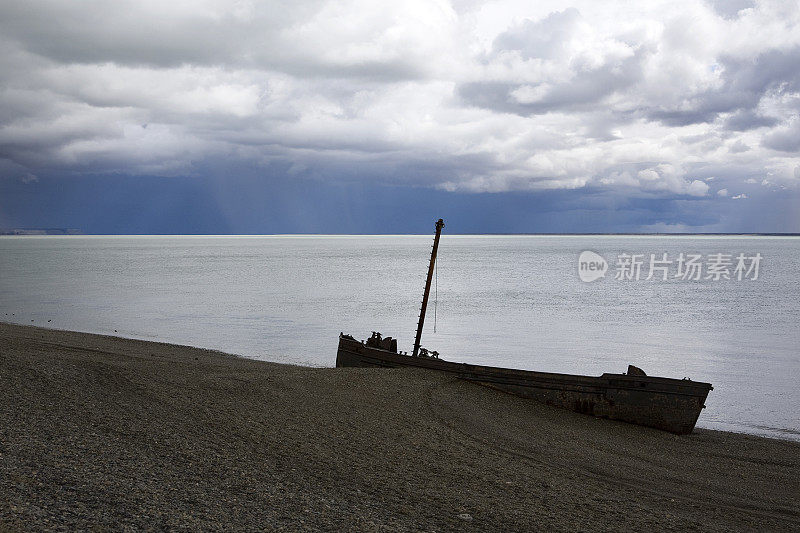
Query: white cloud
x,y
722,192
738,147
697,188
476,96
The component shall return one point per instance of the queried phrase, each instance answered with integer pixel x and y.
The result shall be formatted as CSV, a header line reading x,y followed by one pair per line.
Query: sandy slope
x,y
108,432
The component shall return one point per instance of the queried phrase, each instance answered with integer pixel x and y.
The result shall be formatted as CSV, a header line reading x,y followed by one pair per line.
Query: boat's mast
x,y
439,226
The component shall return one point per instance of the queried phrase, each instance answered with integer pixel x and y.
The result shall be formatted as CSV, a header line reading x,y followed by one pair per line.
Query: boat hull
x,y
669,404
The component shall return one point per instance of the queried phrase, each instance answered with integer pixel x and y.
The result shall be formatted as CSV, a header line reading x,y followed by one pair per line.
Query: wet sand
x,y
110,433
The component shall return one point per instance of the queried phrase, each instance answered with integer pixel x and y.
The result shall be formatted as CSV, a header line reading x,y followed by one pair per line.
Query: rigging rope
x,y
436,296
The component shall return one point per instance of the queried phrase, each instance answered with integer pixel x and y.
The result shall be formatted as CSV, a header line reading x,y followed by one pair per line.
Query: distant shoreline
x,y
39,231
28,233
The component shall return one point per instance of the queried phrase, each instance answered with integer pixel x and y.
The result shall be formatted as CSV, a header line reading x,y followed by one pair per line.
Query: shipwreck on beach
x,y
664,403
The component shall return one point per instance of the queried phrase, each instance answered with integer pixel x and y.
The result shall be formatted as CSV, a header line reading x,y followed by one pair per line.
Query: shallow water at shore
x,y
511,301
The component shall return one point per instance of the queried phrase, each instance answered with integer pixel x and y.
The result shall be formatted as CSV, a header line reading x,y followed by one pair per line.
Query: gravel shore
x,y
106,433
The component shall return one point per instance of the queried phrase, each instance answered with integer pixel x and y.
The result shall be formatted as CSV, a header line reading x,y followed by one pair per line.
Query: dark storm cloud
x,y
464,97
747,119
773,73
744,82
547,40
588,86
784,139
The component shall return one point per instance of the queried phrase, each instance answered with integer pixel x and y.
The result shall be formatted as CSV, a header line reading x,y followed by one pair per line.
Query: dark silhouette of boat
x,y
664,403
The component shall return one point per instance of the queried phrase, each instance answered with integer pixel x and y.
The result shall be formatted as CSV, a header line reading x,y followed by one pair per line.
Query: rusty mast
x,y
439,226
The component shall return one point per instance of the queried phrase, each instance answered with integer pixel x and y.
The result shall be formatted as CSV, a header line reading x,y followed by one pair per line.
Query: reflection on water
x,y
511,301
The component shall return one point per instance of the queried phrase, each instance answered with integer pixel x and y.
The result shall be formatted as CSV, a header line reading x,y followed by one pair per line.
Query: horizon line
x,y
7,233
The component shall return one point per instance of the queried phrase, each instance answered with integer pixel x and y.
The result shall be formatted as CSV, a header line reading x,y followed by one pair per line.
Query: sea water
x,y
512,301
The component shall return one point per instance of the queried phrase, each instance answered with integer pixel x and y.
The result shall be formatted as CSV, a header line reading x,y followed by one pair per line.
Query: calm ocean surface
x,y
511,301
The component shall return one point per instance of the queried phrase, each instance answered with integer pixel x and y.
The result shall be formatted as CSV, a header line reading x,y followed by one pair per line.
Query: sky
x,y
508,116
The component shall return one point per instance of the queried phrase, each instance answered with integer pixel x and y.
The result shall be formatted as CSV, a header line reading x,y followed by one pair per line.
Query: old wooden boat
x,y
664,403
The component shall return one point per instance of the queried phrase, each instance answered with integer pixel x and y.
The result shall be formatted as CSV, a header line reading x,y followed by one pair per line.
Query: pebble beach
x,y
108,433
